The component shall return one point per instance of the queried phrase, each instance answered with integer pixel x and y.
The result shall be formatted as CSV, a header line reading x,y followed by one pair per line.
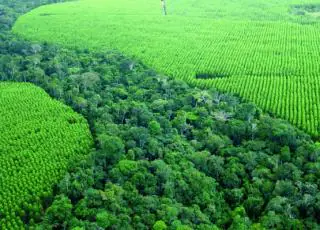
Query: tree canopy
x,y
167,155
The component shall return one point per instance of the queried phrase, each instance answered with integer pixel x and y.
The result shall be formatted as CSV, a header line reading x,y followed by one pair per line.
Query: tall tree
x,y
164,7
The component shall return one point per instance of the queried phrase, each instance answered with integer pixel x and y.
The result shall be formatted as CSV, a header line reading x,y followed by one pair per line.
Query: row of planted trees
x,y
37,142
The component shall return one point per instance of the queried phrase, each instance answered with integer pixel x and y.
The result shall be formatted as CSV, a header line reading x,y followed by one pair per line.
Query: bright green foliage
x,y
160,225
103,219
38,138
265,51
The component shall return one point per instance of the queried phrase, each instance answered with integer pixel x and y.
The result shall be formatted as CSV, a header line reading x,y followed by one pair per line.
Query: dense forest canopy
x,y
167,155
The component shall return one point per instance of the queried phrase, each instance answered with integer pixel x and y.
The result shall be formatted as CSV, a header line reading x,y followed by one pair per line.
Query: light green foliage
x,y
265,51
160,225
38,138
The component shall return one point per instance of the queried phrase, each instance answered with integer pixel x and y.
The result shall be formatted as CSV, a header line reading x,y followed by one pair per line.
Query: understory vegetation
x,y
167,155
